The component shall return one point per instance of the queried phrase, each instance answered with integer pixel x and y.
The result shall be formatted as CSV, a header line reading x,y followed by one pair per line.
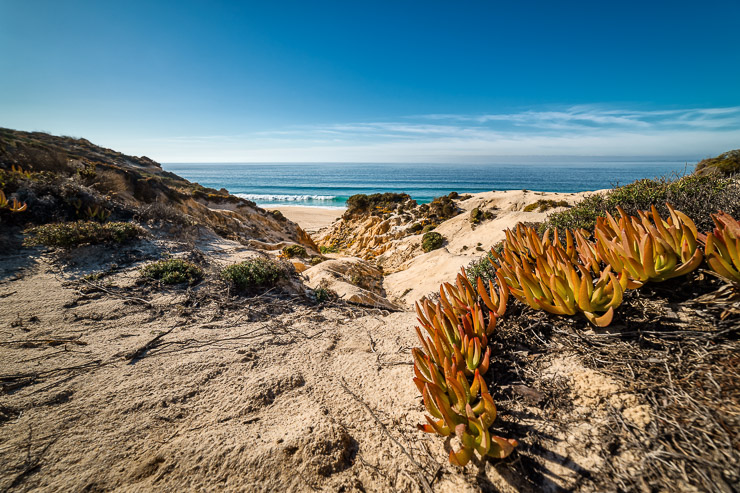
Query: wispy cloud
x,y
595,130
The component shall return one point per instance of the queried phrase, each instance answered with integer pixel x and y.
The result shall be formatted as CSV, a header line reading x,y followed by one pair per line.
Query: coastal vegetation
x,y
173,271
291,251
450,365
722,248
378,203
583,276
543,205
697,196
431,241
77,233
12,205
254,274
477,215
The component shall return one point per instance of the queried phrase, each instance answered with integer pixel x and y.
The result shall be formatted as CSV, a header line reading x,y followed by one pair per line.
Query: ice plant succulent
x,y
557,285
722,247
449,366
466,411
648,248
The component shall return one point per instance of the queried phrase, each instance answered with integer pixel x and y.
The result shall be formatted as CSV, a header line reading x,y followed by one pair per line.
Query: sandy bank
x,y
311,219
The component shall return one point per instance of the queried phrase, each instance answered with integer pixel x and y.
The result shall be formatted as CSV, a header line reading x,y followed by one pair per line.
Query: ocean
x,y
330,184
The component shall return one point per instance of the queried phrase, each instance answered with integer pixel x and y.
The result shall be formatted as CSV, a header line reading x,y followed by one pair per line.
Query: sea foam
x,y
285,198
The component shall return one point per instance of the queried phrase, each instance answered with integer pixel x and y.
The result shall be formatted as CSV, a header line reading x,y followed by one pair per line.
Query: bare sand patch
x,y
311,219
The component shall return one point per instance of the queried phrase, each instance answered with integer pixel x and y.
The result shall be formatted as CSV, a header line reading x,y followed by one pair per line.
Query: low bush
x,y
278,215
323,295
428,228
431,241
328,249
294,251
482,268
161,212
543,205
477,215
254,274
440,209
72,234
415,228
173,271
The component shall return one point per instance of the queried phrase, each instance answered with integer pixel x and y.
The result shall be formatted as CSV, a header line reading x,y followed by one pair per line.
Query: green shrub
x,y
477,215
72,234
316,260
543,205
323,294
415,228
431,241
172,271
253,274
482,268
278,215
442,208
428,228
694,195
294,251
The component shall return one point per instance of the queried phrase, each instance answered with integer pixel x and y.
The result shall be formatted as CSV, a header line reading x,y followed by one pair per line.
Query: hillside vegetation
x,y
726,164
66,179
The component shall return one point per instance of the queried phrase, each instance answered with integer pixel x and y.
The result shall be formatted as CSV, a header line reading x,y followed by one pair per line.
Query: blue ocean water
x,y
330,184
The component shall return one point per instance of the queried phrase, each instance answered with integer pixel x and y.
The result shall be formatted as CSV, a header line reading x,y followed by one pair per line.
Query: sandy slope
x,y
246,399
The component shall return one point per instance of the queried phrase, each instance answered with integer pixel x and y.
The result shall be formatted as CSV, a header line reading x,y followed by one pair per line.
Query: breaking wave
x,y
285,198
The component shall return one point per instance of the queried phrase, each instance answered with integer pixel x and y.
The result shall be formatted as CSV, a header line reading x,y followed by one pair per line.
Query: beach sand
x,y
311,219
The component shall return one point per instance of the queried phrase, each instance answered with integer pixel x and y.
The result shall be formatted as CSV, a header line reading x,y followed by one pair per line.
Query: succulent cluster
x,y
450,365
586,273
545,275
590,273
11,205
722,247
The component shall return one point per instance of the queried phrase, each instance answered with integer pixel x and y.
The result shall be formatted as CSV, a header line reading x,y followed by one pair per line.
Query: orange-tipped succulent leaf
x,y
722,247
501,448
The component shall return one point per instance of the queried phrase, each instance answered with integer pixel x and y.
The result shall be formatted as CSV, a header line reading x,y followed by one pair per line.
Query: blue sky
x,y
375,81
